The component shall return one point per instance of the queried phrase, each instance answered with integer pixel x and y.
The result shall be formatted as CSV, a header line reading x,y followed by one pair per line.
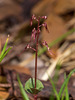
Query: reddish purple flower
x,y
29,47
32,18
45,25
44,17
33,36
45,44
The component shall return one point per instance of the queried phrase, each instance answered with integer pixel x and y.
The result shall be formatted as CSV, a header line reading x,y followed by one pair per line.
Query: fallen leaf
x,y
4,95
64,6
44,7
18,68
9,8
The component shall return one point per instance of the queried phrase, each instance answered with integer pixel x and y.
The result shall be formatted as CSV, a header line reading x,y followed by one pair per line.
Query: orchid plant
x,y
33,85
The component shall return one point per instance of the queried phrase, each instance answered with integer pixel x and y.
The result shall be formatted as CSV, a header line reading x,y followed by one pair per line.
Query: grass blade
x,y
66,90
24,95
52,97
66,82
4,48
4,54
54,89
62,98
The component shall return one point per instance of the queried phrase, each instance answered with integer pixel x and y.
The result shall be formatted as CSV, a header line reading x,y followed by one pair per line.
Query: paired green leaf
x,y
30,86
24,95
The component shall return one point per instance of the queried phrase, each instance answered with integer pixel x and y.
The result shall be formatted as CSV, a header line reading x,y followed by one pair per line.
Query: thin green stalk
x,y
66,89
54,89
62,98
66,82
24,95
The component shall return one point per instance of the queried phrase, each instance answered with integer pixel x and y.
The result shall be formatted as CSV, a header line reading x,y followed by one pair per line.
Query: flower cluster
x,y
36,32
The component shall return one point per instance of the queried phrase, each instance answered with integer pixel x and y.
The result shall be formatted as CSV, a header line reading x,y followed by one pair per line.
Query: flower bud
x,y
44,17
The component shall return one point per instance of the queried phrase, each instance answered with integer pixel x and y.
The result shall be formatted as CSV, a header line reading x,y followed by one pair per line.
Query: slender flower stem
x,y
35,96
